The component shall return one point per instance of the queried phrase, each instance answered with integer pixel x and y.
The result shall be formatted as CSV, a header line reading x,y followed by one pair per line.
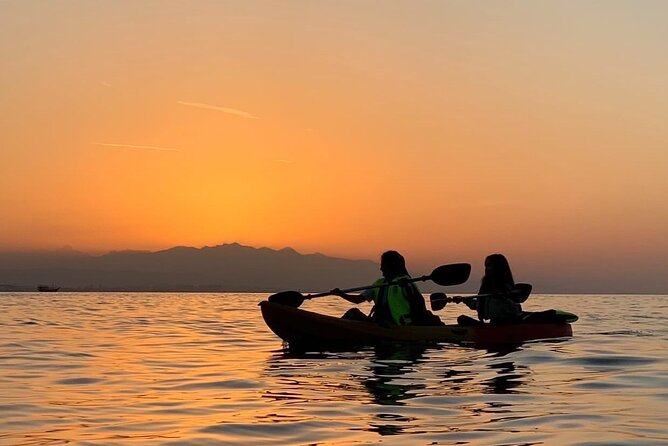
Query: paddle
x,y
520,293
444,275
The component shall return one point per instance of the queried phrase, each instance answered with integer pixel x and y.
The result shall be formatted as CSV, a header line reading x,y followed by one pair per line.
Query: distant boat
x,y
47,288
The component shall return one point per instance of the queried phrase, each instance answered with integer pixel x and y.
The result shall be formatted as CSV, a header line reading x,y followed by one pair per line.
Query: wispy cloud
x,y
231,111
136,147
106,84
283,161
489,204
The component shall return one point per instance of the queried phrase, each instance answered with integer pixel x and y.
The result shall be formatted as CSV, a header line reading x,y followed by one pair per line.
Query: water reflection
x,y
390,363
388,385
508,376
393,380
392,373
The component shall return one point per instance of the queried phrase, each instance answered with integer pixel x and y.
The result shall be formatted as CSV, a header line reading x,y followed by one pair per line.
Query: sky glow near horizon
x,y
445,130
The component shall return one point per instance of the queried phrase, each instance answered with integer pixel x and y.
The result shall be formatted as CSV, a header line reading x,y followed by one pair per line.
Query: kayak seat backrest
x,y
521,292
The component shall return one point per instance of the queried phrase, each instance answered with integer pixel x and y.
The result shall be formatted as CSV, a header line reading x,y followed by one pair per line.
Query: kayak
x,y
301,327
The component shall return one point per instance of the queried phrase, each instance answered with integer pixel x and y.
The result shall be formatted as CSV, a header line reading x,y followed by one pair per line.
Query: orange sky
x,y
447,130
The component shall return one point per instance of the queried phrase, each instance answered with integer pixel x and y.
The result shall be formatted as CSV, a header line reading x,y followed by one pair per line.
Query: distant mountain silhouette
x,y
228,267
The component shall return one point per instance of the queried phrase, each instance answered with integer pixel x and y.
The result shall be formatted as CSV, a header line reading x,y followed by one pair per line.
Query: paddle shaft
x,y
475,296
462,298
438,302
370,287
444,275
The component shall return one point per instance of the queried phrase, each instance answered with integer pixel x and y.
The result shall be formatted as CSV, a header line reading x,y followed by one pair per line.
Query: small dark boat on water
x,y
47,288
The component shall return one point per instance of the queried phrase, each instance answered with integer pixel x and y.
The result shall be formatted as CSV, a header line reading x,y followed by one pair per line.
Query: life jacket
x,y
391,302
499,307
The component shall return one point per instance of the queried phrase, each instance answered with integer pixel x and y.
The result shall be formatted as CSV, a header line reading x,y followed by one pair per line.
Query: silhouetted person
x,y
499,308
397,304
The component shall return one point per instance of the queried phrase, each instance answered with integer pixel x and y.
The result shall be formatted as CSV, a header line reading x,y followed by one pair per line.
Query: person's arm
x,y
352,298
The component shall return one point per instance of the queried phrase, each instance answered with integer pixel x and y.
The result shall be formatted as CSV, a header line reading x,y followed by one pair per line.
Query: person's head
x,y
392,264
497,269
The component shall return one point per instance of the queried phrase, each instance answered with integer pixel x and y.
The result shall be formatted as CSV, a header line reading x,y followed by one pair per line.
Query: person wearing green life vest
x,y
396,301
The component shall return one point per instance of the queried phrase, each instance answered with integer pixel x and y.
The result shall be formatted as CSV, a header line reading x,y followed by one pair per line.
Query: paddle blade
x,y
287,298
453,274
438,301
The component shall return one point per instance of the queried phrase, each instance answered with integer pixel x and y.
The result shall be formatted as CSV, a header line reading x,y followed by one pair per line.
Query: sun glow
x,y
405,129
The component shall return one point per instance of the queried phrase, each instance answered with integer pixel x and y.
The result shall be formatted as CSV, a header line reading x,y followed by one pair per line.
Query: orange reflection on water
x,y
203,368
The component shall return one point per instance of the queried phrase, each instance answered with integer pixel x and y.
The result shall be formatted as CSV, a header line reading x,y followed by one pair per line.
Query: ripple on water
x,y
601,385
292,432
614,362
19,407
237,384
79,381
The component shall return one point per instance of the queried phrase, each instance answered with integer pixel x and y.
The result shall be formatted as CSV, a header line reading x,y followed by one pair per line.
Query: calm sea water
x,y
180,369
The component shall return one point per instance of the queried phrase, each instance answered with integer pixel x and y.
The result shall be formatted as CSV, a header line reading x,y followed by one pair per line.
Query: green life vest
x,y
391,302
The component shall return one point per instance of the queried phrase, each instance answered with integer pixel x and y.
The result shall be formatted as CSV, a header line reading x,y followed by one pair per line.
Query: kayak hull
x,y
301,327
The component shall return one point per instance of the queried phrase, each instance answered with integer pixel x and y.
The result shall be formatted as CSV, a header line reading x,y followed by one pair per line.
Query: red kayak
x,y
300,327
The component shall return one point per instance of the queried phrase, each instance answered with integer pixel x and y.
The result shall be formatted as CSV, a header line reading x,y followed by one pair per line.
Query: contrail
x,y
231,111
132,146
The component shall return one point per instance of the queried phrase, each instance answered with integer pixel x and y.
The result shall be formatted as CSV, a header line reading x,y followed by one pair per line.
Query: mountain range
x,y
227,267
